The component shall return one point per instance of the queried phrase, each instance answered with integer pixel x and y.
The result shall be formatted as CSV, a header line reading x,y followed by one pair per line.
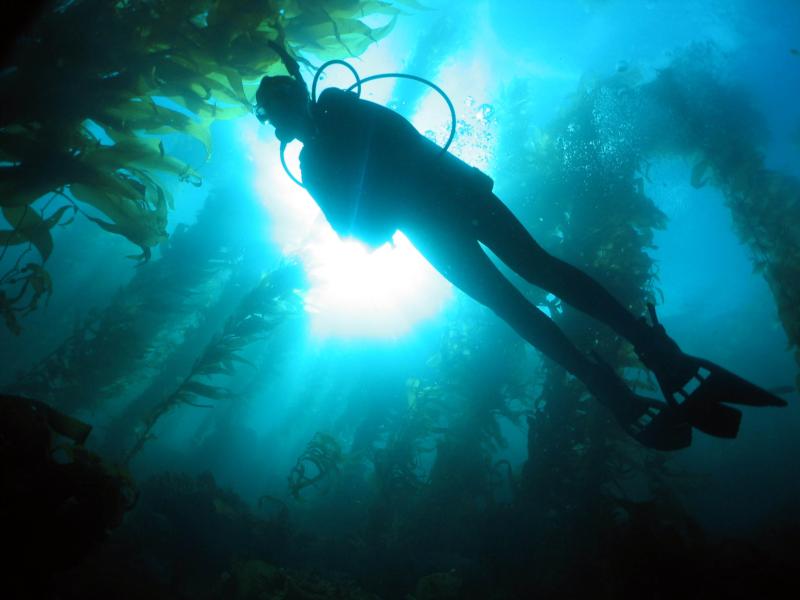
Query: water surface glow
x,y
385,292
355,291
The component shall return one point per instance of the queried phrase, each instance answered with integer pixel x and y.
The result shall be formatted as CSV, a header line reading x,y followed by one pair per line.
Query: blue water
x,y
373,323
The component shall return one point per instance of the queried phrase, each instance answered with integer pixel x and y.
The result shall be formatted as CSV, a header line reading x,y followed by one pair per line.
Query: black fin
x,y
667,431
699,389
720,385
652,423
711,417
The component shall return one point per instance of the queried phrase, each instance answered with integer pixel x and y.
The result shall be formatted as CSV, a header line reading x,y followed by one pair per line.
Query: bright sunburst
x,y
354,292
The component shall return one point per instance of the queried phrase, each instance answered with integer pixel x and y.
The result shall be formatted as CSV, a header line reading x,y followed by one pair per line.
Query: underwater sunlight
x,y
354,292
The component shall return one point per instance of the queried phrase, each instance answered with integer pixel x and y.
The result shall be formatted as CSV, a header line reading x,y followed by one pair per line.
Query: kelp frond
x,y
269,304
89,93
318,463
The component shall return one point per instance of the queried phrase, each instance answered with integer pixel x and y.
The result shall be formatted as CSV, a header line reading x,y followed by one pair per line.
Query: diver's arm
x,y
288,61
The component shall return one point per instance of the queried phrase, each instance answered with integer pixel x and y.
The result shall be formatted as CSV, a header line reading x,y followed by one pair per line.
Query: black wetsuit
x,y
372,173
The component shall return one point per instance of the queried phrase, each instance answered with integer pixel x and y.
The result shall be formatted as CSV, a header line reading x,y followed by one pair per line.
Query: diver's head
x,y
283,101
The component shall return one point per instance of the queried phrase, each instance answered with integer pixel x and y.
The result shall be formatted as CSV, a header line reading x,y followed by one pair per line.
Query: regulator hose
x,y
357,87
421,80
321,70
286,167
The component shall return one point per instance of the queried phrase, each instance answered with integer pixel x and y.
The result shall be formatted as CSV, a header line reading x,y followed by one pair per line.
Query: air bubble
x,y
485,112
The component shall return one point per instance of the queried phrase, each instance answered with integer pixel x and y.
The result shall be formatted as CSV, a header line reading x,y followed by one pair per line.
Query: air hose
x,y
357,87
286,167
426,82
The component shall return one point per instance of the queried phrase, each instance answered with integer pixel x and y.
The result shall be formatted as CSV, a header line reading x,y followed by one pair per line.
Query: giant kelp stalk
x,y
480,379
91,89
268,305
581,186
59,499
319,463
400,442
584,178
112,350
433,461
713,122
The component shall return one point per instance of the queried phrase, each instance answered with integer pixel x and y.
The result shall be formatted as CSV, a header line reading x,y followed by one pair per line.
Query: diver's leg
x,y
697,386
462,261
497,227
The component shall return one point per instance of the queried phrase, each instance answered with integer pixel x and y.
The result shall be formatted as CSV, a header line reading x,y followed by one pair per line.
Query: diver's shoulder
x,y
334,96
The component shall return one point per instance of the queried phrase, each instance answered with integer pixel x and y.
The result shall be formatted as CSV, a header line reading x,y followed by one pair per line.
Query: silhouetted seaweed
x,y
318,463
265,307
59,499
146,69
108,350
580,181
715,123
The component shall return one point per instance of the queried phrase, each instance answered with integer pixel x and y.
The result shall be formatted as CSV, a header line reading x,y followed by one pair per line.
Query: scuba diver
x,y
372,173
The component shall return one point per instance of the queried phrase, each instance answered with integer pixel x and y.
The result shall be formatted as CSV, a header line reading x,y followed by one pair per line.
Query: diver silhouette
x,y
372,173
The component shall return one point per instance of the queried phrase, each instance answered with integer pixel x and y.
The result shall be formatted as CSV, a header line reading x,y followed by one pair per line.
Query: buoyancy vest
x,y
369,169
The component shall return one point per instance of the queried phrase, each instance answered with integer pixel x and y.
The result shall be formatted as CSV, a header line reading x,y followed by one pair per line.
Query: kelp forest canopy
x,y
612,131
91,89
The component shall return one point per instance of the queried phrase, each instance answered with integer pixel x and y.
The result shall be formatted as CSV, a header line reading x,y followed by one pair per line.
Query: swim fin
x,y
652,423
699,388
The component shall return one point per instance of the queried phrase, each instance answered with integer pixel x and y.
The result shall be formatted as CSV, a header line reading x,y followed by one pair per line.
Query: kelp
x,y
59,500
29,278
28,226
581,183
90,91
485,379
264,308
26,284
210,529
325,28
691,110
480,367
255,578
319,462
584,179
113,349
713,122
407,435
433,459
